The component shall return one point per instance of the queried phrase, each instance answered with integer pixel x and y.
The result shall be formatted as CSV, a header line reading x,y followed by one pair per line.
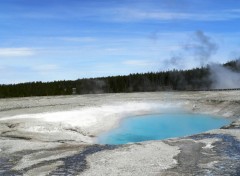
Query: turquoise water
x,y
160,126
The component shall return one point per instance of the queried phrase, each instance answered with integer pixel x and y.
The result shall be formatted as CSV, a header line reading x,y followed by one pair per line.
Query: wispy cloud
x,y
30,72
127,14
139,63
78,39
232,11
16,52
124,14
46,68
137,14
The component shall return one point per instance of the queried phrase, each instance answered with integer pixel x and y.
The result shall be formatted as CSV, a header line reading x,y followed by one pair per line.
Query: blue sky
x,y
69,39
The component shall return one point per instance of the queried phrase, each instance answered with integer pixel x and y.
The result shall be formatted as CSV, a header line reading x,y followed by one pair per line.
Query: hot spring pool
x,y
160,126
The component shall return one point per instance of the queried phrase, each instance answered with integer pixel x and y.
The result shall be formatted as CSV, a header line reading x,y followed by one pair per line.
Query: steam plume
x,y
224,78
202,47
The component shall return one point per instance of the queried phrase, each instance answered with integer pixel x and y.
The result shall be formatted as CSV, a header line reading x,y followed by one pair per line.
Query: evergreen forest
x,y
174,80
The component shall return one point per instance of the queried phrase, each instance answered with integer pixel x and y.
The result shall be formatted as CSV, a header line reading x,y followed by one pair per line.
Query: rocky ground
x,y
56,136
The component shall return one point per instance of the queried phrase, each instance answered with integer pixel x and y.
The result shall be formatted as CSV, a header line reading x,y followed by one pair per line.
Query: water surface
x,y
160,126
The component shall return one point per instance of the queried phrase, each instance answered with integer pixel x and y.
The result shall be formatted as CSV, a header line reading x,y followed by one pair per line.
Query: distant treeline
x,y
194,79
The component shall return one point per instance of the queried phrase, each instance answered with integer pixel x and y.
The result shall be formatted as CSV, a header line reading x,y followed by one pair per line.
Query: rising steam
x,y
202,47
224,78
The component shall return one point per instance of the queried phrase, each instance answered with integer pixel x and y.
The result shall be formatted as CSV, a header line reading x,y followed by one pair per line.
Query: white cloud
x,y
139,63
42,69
154,15
126,14
79,39
233,10
16,52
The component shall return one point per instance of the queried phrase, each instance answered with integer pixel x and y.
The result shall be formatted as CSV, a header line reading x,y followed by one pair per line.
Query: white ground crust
x,y
44,170
30,160
138,160
11,146
89,121
208,142
233,132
